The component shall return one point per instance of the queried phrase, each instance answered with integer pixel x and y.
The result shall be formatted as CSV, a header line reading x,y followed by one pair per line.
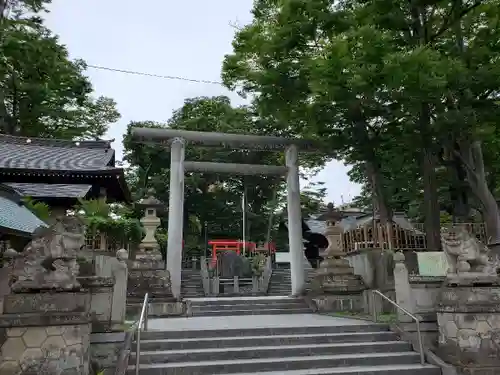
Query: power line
x,y
155,75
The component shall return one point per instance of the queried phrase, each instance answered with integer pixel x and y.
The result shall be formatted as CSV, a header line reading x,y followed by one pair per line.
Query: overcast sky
x,y
186,38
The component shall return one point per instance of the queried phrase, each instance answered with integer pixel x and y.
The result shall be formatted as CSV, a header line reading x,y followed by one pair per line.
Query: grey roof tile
x,y
46,154
51,190
17,217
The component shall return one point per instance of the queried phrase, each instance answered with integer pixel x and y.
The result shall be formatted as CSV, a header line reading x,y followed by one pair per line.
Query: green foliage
x,y
40,209
258,263
100,218
42,92
403,91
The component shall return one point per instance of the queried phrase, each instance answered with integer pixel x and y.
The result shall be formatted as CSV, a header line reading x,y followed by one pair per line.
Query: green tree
x,y
42,92
377,80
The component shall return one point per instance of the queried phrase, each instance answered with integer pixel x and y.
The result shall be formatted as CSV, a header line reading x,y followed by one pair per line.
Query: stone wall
x,y
469,328
425,291
4,285
51,348
46,333
105,350
115,267
374,266
100,291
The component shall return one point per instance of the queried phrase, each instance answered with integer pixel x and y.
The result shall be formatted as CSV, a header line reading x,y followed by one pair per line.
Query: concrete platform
x,y
249,322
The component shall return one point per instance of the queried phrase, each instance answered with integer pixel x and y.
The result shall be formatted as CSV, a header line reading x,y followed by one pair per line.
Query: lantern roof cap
x,y
331,214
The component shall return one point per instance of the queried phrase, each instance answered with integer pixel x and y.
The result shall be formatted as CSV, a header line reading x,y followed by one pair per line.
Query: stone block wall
x,y
374,266
425,292
100,291
56,349
105,350
469,328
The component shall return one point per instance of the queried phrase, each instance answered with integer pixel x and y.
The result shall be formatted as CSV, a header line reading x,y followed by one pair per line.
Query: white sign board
x,y
432,263
283,257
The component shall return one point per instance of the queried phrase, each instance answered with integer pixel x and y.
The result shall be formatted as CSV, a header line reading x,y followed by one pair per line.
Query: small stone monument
x,y
46,317
340,289
468,309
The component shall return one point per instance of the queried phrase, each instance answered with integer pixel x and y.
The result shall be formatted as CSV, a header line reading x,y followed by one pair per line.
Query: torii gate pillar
x,y
296,244
176,214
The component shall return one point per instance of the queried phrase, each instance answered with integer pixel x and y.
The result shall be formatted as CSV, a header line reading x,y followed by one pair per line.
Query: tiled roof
x,y
15,216
51,190
45,154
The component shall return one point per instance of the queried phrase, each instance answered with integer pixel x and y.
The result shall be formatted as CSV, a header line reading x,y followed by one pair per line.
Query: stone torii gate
x,y
177,140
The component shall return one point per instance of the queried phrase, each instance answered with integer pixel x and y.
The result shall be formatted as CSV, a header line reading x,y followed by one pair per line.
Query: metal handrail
x,y
417,320
143,319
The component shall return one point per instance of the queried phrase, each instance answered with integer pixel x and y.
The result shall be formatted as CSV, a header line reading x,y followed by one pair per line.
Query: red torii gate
x,y
237,246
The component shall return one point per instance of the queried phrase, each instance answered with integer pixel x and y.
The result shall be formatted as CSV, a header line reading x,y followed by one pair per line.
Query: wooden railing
x,y
395,237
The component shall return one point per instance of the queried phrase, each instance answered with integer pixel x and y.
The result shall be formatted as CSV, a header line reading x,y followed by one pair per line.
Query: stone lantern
x,y
335,281
152,207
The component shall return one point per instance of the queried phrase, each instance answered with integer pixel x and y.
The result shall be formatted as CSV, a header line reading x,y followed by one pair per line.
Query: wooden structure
x,y
59,172
17,222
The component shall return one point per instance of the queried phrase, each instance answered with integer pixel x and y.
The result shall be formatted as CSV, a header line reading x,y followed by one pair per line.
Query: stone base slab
x,y
339,303
155,282
46,319
471,279
53,349
162,309
146,264
337,284
20,303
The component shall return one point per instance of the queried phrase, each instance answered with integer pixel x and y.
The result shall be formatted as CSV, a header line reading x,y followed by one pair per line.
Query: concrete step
x,y
269,311
266,331
279,351
237,341
243,301
256,306
360,370
276,364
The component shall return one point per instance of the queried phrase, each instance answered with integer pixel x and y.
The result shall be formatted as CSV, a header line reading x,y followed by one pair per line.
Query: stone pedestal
x,y
146,277
469,327
46,333
100,290
335,284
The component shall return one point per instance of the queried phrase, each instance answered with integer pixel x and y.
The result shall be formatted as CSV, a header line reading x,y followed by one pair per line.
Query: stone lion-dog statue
x,y
464,252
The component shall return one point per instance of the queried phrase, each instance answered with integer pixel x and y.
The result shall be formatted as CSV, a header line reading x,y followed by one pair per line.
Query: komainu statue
x,y
465,254
48,262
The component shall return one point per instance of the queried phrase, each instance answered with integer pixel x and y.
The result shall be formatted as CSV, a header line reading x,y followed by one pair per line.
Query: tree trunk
x,y
432,223
431,205
376,181
471,155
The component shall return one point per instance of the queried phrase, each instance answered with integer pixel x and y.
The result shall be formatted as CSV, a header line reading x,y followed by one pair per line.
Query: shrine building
x,y
58,173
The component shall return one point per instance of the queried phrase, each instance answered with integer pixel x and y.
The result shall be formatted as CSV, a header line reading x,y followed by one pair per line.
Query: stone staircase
x,y
248,306
280,283
191,284
368,349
